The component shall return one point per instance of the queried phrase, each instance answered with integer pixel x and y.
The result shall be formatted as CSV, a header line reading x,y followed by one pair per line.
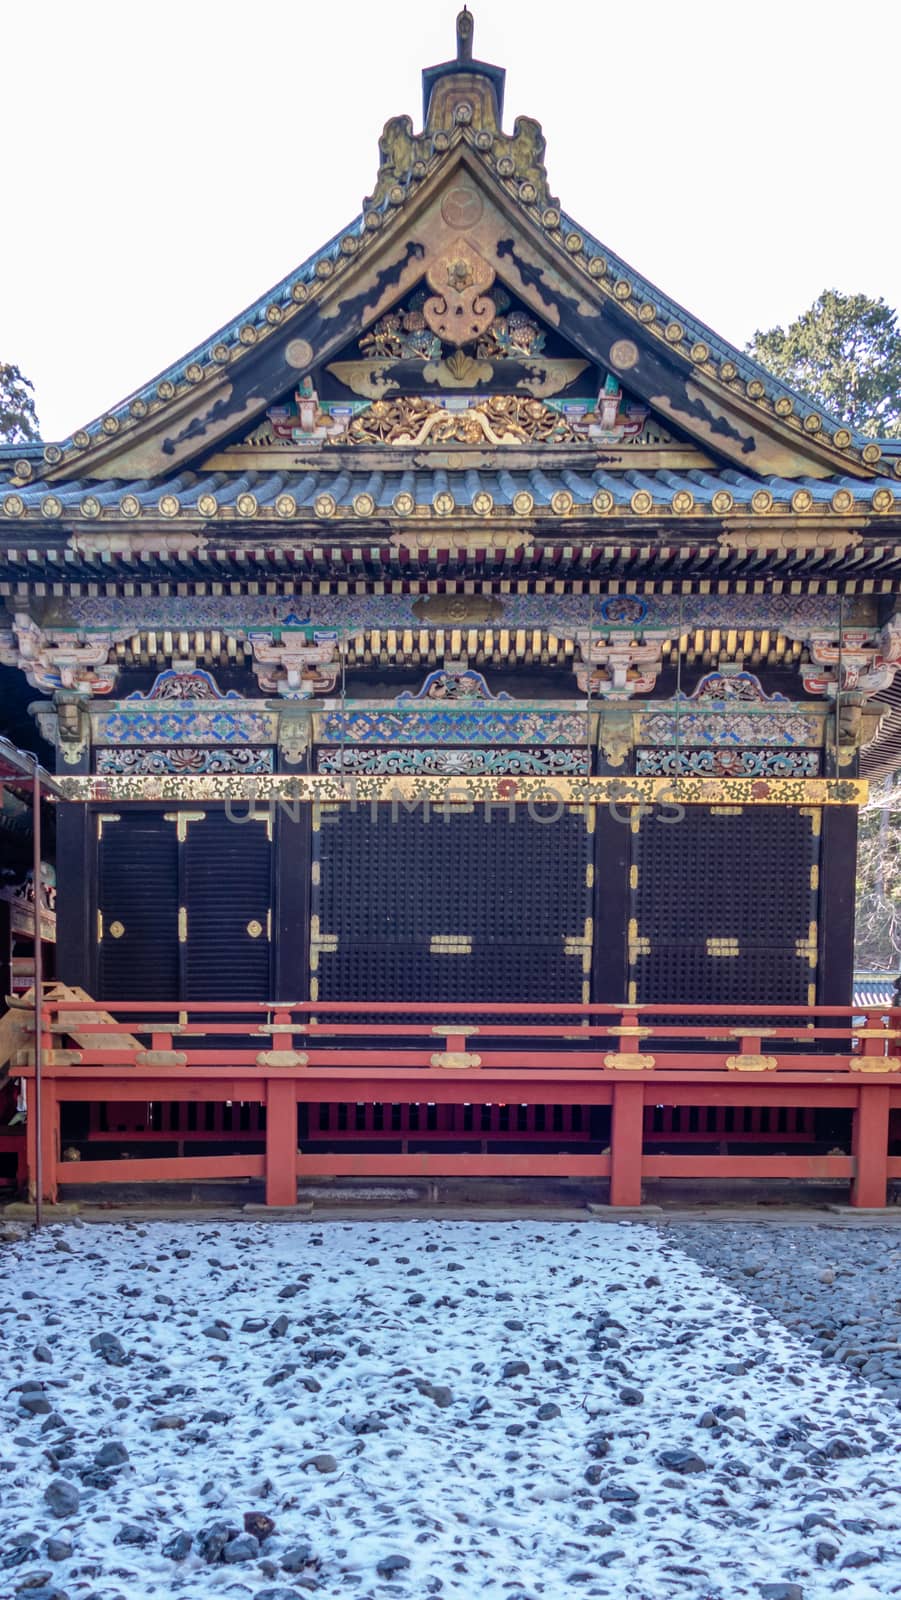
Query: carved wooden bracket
x,y
859,662
293,669
54,659
617,671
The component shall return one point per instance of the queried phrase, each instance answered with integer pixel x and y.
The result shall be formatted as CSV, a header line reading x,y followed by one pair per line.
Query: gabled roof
x,y
694,380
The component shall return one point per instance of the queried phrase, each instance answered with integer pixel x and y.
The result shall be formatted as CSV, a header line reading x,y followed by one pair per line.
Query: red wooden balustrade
x,y
464,1079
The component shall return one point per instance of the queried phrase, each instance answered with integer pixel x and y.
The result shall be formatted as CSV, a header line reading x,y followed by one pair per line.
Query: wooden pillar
x,y
281,1142
76,908
293,872
838,866
625,1144
610,956
869,1146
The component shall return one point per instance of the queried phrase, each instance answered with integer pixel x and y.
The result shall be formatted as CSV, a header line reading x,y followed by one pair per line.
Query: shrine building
x,y
460,676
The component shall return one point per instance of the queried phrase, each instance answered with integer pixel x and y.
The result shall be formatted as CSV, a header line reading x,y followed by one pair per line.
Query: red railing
x,y
628,1058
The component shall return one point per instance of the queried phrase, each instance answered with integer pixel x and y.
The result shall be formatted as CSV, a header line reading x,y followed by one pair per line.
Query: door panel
x,y
724,905
226,872
138,902
451,907
185,900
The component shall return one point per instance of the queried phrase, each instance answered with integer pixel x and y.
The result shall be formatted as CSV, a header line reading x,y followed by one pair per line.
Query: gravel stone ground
x,y
393,1410
838,1289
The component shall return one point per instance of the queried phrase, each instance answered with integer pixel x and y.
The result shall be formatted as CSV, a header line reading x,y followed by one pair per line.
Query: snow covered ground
x,y
500,1409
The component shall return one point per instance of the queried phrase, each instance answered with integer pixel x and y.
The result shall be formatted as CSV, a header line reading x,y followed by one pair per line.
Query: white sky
x,y
167,162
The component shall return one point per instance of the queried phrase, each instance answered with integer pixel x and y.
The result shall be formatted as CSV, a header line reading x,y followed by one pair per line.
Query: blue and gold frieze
x,y
456,763
136,722
724,763
485,724
118,762
751,725
794,616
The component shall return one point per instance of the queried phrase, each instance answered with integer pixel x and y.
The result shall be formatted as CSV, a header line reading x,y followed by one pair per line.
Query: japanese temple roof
x,y
336,486
197,522
714,395
233,339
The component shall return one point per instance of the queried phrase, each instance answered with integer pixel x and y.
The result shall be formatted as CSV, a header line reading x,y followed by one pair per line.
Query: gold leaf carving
x,y
458,372
497,420
371,379
460,309
460,608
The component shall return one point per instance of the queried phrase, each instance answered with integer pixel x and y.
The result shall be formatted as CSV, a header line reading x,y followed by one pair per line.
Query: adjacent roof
x,y
875,989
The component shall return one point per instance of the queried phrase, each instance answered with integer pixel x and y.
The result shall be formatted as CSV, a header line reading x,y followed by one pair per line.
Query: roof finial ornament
x,y
475,89
464,35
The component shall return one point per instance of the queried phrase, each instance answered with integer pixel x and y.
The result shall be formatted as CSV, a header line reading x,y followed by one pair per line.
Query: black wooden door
x,y
184,903
226,920
451,906
137,923
724,906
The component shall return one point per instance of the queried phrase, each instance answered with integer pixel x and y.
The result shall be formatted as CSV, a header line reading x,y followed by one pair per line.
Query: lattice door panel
x,y
724,906
398,971
226,874
755,975
452,907
138,907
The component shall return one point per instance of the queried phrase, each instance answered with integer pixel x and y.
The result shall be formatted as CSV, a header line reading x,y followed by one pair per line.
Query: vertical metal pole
x,y
677,730
838,683
588,749
38,997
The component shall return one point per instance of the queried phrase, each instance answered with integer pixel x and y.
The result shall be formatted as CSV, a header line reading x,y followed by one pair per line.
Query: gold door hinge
x,y
99,924
815,814
106,816
320,944
181,820
182,924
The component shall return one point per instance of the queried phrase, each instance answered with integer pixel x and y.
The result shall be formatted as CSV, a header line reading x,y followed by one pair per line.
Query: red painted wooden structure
x,y
474,1076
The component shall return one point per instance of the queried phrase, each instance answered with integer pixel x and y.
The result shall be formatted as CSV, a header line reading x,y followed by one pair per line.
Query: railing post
x,y
47,1126
281,1142
869,1145
626,1138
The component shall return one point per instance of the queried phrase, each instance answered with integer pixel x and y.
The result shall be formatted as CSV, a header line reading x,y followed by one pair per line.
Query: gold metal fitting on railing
x,y
456,1059
628,1061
